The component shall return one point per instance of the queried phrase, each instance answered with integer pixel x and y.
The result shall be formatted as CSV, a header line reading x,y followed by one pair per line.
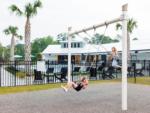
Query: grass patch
x,y
140,80
7,90
21,74
17,89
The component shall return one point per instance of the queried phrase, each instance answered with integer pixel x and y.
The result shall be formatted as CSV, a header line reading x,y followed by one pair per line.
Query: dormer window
x,y
78,45
73,45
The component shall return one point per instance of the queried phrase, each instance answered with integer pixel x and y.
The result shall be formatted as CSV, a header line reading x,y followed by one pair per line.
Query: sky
x,y
57,15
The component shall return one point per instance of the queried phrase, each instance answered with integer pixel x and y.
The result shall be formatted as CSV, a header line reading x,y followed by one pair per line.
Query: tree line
x,y
37,45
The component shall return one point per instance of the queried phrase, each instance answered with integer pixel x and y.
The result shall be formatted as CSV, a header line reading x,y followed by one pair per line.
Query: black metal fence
x,y
44,72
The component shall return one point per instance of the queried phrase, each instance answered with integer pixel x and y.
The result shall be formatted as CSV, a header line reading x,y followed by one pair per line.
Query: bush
x,y
21,74
39,56
14,71
11,69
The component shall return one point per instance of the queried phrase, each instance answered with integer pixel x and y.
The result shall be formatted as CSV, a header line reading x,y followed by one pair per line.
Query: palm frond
x,y
37,4
31,9
16,10
28,10
19,36
132,24
118,26
6,31
11,30
135,24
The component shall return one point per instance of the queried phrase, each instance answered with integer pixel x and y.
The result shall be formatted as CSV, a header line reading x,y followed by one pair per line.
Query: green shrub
x,y
21,74
16,72
11,69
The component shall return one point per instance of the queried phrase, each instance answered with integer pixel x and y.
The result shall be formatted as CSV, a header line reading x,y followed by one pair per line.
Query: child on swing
x,y
114,57
78,86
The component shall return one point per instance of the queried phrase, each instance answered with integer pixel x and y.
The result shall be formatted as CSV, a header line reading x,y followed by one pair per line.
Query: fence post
x,y
72,69
47,76
116,73
144,64
55,70
48,63
96,69
134,65
15,71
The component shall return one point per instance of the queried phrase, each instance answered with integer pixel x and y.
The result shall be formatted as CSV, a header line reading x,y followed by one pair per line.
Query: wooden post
x,y
124,57
69,54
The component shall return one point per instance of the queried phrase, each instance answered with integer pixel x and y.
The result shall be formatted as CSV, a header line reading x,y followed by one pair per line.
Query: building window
x,y
78,45
65,45
75,45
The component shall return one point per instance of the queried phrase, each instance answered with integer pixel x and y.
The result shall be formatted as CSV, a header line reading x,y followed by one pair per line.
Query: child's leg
x,y
70,85
64,87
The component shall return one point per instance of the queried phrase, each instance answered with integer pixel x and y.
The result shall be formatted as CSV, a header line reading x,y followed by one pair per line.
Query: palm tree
x,y
12,30
29,11
131,25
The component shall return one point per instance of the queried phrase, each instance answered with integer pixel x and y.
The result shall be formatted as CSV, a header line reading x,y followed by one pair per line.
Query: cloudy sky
x,y
57,15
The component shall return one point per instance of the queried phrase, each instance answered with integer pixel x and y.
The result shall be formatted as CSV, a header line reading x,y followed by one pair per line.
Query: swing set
x,y
123,19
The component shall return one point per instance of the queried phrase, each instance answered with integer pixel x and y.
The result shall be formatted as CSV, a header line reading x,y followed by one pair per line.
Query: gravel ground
x,y
98,98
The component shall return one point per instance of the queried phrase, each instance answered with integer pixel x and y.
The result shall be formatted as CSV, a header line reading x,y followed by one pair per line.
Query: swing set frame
x,y
123,18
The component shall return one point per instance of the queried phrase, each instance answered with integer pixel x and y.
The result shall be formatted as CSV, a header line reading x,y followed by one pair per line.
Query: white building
x,y
82,51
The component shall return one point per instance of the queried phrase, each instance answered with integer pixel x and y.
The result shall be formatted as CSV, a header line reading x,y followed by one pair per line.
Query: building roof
x,y
92,48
